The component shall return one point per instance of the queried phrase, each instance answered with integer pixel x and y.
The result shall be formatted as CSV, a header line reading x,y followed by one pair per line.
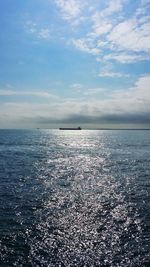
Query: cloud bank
x,y
118,107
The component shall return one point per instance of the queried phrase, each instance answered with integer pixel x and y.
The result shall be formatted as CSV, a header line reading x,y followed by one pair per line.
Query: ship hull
x,y
78,128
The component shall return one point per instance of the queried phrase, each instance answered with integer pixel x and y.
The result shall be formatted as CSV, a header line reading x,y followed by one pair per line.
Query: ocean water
x,y
74,198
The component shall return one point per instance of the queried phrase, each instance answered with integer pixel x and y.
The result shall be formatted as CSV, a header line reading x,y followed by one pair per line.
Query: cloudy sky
x,y
75,62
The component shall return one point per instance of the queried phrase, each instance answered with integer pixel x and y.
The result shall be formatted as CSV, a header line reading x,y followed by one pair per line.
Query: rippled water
x,y
74,198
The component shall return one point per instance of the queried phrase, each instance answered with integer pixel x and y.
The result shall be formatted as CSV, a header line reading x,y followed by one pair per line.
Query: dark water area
x,y
74,198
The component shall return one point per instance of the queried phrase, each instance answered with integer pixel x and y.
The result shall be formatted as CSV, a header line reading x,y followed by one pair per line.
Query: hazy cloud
x,y
118,106
108,71
41,94
37,31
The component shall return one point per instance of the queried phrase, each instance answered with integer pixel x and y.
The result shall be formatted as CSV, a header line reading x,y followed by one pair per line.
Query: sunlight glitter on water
x,y
77,203
85,217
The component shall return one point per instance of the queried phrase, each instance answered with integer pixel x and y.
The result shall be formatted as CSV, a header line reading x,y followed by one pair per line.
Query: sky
x,y
75,63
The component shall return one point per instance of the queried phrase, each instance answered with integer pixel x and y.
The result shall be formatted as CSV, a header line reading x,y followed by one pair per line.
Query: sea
x,y
74,198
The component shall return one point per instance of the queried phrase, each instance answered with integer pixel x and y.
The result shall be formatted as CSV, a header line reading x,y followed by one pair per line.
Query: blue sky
x,y
75,62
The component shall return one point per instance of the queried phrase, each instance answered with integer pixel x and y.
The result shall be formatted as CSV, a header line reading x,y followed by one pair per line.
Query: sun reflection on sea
x,y
85,213
75,198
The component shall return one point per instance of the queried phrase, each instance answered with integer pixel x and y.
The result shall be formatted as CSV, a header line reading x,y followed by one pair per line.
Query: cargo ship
x,y
70,128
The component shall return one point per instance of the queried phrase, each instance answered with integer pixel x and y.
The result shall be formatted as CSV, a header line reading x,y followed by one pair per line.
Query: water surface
x,y
74,198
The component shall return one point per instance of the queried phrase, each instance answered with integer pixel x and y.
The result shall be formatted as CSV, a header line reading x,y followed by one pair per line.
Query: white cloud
x,y
84,45
130,36
135,99
105,26
70,9
114,6
110,74
101,43
125,58
99,25
100,29
108,71
142,89
101,22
